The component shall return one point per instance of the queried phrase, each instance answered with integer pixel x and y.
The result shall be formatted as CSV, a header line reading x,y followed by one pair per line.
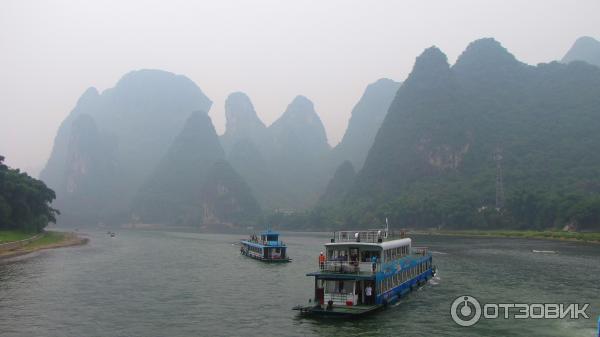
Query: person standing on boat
x,y
374,263
369,294
322,261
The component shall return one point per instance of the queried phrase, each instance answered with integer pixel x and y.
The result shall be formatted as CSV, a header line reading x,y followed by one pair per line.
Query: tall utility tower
x,y
499,183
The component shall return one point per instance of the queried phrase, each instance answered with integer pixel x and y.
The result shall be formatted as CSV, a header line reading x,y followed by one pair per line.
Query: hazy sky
x,y
51,51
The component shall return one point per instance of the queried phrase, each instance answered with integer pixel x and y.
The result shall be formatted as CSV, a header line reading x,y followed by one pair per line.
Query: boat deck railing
x,y
267,243
369,235
349,267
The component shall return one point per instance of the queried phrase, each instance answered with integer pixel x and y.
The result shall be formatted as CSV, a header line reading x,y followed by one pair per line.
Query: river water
x,y
158,283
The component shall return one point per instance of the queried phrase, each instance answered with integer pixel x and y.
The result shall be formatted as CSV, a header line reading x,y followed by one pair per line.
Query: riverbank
x,y
14,235
45,240
593,237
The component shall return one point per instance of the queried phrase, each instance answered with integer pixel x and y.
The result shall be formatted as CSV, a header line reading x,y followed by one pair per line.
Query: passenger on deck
x,y
369,294
322,261
354,262
374,263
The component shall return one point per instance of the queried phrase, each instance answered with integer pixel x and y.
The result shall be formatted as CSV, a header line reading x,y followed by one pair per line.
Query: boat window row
x,y
255,249
352,254
397,279
396,253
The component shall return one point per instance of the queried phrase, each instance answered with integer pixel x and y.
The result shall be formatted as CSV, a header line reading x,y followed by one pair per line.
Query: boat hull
x,y
338,311
284,260
349,312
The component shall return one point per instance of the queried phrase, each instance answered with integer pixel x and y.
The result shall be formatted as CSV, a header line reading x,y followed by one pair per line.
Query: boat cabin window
x,y
367,256
343,287
255,249
337,254
396,253
269,237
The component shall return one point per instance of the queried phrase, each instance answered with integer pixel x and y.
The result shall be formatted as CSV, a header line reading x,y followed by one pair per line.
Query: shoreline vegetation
x,y
32,242
590,237
587,237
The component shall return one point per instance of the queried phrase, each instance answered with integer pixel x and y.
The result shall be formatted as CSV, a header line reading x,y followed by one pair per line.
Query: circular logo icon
x,y
465,310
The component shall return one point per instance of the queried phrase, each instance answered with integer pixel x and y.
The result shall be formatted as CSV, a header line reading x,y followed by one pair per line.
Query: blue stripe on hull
x,y
260,245
395,293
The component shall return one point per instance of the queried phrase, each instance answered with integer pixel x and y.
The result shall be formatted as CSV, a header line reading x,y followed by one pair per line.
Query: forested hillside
x,y
452,132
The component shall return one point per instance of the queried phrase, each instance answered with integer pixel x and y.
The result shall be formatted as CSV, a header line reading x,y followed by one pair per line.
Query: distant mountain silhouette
x,y
173,192
88,173
135,122
262,177
243,123
299,130
299,149
585,49
284,164
366,118
227,199
339,185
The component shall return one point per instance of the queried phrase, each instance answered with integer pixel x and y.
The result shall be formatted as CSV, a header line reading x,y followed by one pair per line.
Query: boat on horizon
x,y
265,247
364,271
544,251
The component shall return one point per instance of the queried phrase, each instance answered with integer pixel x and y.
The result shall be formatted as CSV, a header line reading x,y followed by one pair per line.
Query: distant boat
x,y
266,247
364,271
544,251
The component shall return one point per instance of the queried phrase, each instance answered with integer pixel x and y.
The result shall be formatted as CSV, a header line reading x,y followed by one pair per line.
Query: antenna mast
x,y
387,227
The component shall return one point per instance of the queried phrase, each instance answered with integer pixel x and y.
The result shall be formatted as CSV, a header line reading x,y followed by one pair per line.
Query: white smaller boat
x,y
544,251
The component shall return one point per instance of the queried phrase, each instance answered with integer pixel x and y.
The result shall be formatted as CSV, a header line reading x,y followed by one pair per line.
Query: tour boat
x,y
265,247
364,271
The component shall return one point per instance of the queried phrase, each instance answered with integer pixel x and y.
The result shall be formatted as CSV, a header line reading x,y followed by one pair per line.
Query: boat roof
x,y
383,245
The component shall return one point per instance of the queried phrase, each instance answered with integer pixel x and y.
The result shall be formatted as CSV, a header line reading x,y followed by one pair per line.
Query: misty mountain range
x,y
143,150
421,152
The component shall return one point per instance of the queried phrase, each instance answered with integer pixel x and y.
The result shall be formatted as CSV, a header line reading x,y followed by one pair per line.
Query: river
x,y
160,283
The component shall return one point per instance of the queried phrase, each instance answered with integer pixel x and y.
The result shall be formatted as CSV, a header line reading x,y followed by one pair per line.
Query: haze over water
x,y
52,51
155,283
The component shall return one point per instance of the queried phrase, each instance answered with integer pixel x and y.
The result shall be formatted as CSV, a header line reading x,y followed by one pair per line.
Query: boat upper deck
x,y
346,270
370,235
364,253
267,238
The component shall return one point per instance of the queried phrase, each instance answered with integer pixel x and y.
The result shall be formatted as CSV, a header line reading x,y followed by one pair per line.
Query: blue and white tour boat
x,y
363,271
265,247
